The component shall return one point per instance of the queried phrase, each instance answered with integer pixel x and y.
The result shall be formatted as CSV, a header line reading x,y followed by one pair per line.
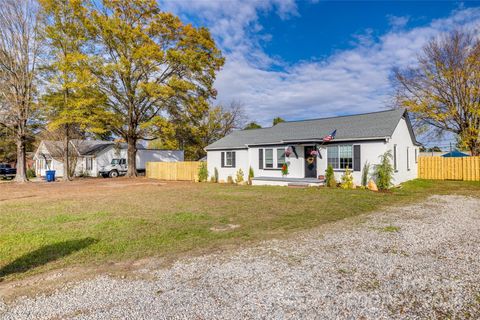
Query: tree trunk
x,y
132,157
66,154
21,175
474,147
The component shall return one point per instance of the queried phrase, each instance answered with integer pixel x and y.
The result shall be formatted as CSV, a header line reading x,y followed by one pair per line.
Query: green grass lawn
x,y
87,223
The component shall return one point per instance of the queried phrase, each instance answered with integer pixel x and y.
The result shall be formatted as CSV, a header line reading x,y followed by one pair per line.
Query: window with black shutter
x,y
228,159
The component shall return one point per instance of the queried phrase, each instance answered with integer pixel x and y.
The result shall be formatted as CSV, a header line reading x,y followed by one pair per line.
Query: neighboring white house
x,y
89,156
359,139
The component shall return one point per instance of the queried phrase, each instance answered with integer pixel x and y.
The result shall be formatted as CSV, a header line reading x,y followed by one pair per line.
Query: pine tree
x,y
330,177
384,171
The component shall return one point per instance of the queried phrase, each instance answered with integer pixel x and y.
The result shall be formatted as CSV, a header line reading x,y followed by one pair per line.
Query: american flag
x,y
330,136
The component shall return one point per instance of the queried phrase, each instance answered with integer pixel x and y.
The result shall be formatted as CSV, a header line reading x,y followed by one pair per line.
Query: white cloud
x,y
349,81
398,21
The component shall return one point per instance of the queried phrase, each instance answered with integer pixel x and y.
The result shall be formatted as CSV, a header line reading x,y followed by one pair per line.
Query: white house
x,y
89,156
359,139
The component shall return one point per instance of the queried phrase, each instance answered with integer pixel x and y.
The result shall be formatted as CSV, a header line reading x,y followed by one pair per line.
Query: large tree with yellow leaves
x,y
149,65
444,89
73,102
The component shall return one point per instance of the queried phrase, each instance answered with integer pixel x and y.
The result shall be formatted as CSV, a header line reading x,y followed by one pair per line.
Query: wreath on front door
x,y
311,156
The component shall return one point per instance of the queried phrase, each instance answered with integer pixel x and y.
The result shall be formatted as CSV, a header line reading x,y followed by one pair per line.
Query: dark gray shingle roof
x,y
84,147
355,127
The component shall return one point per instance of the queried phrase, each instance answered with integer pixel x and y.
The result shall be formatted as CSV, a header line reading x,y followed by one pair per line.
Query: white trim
x,y
274,158
338,155
231,159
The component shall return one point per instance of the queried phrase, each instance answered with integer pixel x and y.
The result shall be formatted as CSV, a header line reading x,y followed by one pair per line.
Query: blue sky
x,y
312,58
321,28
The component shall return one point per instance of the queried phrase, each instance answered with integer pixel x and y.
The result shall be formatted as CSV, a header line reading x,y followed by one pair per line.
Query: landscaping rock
x,y
372,186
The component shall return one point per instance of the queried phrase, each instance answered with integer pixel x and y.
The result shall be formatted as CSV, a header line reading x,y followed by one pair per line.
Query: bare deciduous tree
x,y
444,89
19,49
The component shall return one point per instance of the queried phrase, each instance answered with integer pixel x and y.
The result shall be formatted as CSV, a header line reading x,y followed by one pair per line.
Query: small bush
x,y
384,171
229,179
82,174
203,172
250,175
31,173
215,175
330,177
347,180
239,176
212,179
365,173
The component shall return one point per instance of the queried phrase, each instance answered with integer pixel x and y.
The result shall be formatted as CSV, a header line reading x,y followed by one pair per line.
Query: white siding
x,y
370,151
401,138
104,158
242,161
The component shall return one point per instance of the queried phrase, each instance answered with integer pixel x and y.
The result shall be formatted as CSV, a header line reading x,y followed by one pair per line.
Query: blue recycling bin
x,y
50,175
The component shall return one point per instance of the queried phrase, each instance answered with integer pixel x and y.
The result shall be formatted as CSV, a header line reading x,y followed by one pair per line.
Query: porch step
x,y
298,185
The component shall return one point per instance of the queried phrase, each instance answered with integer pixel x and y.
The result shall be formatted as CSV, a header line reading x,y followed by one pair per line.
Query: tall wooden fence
x,y
443,168
177,171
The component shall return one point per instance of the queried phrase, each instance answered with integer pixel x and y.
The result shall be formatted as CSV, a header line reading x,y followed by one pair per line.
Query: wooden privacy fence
x,y
444,168
177,171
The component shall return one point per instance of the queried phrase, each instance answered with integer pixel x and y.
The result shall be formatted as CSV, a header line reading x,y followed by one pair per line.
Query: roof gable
x,y
376,125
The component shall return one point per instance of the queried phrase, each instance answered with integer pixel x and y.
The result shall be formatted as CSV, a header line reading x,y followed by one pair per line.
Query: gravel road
x,y
419,261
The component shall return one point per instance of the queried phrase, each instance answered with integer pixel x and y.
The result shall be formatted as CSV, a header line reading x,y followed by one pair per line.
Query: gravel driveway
x,y
420,261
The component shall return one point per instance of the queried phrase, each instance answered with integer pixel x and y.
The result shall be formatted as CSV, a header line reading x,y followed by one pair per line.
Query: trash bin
x,y
50,175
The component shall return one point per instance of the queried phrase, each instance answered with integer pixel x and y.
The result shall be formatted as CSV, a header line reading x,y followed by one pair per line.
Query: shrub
x,y
215,175
203,172
347,180
330,177
82,174
229,179
365,172
212,179
31,173
250,175
239,176
384,171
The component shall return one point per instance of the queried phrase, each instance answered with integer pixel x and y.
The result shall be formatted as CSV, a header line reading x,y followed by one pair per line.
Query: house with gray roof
x,y
89,157
307,147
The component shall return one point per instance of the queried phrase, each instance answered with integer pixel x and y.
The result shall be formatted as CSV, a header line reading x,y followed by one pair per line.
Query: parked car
x,y
6,171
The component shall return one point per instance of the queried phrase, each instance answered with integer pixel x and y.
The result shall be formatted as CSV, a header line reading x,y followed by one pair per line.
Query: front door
x,y
310,163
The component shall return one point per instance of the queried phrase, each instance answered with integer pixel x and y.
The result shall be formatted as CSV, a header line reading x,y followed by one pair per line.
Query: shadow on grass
x,y
44,255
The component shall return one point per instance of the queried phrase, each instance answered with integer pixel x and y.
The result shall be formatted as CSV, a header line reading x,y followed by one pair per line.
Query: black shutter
x,y
223,159
356,158
260,158
233,159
